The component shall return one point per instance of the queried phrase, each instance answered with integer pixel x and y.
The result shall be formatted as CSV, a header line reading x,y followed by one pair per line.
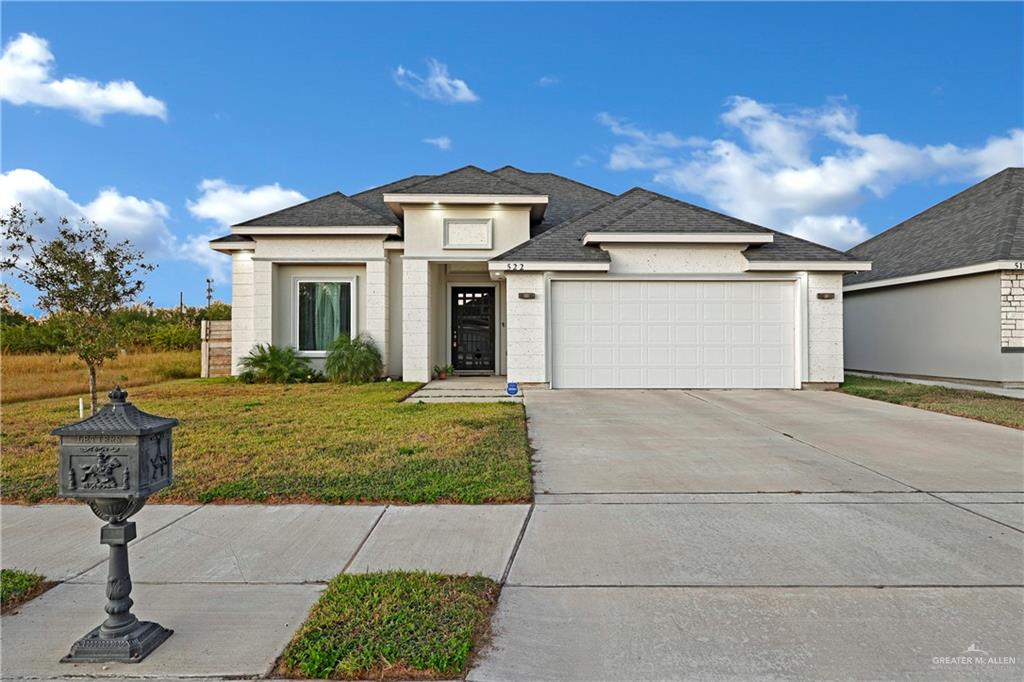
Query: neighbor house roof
x,y
640,210
465,180
330,210
982,224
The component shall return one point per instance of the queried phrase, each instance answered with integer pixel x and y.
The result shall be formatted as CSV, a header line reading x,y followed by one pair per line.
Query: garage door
x,y
662,334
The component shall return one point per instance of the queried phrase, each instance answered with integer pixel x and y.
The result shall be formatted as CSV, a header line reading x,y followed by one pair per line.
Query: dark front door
x,y
473,329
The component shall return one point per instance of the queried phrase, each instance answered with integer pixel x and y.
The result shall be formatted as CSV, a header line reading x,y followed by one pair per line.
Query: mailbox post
x,y
114,461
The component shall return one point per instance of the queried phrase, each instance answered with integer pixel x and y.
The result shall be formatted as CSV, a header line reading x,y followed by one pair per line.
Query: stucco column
x,y
377,306
416,320
262,302
525,325
241,307
824,328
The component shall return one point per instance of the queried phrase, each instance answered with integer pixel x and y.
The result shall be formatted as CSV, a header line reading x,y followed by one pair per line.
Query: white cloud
x,y
548,81
438,85
765,168
142,221
228,204
443,143
26,77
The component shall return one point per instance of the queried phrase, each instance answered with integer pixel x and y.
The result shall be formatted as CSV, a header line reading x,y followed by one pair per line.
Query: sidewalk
x,y
233,582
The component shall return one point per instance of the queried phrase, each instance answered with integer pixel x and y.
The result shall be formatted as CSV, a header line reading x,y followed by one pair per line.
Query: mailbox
x,y
115,460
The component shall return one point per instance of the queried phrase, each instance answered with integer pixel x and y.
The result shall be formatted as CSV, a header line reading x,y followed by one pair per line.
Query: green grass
x,y
973,404
325,443
17,587
392,625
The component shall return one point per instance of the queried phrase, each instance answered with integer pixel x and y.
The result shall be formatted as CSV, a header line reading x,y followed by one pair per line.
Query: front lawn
x,y
17,587
392,625
299,443
979,405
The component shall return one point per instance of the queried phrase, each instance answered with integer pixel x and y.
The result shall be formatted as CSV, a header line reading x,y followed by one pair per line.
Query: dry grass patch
x,y
300,443
48,375
978,405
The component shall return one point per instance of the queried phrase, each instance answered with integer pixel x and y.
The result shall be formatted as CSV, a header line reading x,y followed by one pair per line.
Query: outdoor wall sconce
x,y
114,461
527,295
826,296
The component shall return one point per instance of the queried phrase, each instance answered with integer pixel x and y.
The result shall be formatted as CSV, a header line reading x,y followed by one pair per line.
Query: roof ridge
x,y
469,166
903,223
556,175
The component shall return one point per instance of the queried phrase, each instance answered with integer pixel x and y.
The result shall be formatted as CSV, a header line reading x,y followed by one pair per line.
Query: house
x,y
544,280
945,297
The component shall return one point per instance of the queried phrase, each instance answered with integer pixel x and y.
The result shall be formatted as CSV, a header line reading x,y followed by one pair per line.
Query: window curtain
x,y
325,310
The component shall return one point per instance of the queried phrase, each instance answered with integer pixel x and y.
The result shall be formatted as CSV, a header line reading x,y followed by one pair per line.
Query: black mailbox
x,y
115,460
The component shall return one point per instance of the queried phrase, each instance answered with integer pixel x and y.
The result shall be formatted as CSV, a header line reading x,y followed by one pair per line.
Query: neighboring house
x,y
542,279
945,296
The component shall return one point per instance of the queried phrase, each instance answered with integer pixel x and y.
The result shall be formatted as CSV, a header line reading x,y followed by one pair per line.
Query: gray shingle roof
x,y
465,180
330,210
373,198
232,238
640,210
981,224
567,198
665,214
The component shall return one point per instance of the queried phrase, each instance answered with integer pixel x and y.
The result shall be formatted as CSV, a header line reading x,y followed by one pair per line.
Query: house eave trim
x,y
344,230
809,265
524,199
511,266
226,247
678,238
939,274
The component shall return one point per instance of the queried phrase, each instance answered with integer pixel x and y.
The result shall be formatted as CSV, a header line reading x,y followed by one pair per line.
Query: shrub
x,y
218,310
353,360
174,337
274,365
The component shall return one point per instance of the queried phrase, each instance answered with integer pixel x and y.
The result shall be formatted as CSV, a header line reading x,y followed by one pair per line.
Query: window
x,y
324,313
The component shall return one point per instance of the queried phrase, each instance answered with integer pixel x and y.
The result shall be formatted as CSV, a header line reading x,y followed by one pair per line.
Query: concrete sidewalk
x,y
234,582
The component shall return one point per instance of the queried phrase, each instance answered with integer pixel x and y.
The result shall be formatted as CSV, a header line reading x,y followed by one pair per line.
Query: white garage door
x,y
662,334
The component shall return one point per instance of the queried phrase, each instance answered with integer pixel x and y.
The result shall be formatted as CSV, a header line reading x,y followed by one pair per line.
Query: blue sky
x,y
832,121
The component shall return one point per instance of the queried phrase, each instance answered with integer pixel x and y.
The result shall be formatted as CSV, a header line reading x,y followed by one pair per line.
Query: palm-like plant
x,y
353,360
274,365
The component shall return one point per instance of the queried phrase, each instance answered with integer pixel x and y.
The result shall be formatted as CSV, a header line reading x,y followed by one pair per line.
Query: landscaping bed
x,y
325,443
17,587
392,625
962,403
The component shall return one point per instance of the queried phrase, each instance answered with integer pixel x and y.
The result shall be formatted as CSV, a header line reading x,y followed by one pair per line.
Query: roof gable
x,y
330,210
982,224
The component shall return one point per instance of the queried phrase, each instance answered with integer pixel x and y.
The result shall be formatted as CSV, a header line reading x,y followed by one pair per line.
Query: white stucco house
x,y
945,298
544,280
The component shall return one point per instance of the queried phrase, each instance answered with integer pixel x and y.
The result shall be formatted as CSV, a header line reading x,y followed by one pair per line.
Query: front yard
x,y
978,405
323,443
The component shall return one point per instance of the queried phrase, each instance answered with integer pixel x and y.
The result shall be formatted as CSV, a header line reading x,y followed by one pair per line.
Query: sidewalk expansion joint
x,y
519,541
365,538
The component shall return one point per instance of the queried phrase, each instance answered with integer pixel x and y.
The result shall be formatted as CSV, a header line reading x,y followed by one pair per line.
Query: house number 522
x,y
514,267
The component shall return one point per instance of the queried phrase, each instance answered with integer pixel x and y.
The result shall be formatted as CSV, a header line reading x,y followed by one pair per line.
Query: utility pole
x,y
209,291
181,303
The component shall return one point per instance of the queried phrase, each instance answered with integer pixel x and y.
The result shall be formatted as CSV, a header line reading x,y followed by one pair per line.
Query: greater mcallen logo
x,y
973,655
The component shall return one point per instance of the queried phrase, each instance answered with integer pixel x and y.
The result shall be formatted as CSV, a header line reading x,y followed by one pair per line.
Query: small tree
x,y
79,275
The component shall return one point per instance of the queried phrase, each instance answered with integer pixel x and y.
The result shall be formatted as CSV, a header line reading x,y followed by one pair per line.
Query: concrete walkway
x,y
234,582
763,535
466,389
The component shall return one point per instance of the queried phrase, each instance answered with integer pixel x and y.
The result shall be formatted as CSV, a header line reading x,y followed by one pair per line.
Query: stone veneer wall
x,y
824,328
1011,306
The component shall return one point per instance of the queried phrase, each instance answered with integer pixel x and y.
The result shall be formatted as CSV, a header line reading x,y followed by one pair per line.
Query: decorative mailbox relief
x,y
115,460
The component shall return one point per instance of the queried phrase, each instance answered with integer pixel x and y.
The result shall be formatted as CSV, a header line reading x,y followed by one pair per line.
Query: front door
x,y
473,321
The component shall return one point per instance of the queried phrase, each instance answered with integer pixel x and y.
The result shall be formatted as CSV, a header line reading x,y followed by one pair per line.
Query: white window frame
x,y
489,222
353,309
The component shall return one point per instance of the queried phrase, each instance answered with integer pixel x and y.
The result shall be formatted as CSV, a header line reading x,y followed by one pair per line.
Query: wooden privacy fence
x,y
216,350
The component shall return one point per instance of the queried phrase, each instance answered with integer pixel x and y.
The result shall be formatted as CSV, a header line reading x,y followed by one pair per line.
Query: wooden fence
x,y
216,350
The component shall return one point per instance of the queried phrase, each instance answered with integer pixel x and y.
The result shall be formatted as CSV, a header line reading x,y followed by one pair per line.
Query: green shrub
x,y
218,310
353,361
274,365
174,337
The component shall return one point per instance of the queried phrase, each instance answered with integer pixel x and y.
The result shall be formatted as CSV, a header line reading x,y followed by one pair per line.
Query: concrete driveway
x,y
763,535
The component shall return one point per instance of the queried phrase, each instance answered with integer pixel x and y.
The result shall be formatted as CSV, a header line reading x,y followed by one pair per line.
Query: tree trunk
x,y
92,387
